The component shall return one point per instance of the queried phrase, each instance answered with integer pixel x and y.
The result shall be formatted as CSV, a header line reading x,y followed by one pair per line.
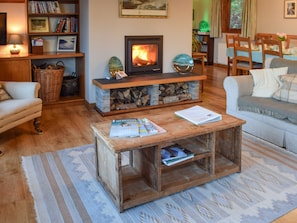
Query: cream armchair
x,y
24,105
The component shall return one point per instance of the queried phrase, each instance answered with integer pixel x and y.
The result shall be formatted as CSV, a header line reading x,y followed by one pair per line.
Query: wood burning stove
x,y
143,54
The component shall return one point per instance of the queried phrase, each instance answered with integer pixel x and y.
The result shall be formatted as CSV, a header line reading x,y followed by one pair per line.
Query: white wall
x,y
103,37
16,23
270,18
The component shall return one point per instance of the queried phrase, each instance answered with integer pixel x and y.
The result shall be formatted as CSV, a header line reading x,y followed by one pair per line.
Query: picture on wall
x,y
290,9
144,8
66,44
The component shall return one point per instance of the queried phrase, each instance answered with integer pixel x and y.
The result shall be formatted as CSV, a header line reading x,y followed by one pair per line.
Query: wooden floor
x,y
65,127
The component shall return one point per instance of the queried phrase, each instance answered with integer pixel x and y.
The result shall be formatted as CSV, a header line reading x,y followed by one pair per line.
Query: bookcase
x,y
53,35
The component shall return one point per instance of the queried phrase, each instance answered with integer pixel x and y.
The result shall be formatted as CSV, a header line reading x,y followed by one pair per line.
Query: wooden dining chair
x,y
230,43
242,60
260,36
291,41
271,47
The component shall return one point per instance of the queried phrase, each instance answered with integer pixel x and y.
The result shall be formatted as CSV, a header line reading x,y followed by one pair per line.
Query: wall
x,y
16,23
201,11
103,34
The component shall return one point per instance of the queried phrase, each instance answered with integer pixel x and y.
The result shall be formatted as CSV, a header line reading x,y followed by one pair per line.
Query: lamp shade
x,y
15,39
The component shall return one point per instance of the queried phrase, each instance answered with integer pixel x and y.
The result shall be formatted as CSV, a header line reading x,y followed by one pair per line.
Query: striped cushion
x,y
3,94
288,90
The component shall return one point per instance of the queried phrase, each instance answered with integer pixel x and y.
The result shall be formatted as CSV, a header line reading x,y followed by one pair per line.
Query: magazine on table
x,y
175,154
133,127
147,127
124,128
199,115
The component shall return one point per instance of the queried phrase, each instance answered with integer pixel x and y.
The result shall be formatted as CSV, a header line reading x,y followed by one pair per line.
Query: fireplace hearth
x,y
143,54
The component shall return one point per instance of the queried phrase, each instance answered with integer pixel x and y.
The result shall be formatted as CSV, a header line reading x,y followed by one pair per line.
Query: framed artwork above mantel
x,y
139,9
12,1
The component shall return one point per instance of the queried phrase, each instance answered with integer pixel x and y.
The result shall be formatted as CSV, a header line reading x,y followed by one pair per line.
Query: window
x,y
231,16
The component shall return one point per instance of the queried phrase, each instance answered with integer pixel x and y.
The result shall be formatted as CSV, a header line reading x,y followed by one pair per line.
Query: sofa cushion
x,y
266,81
280,62
3,94
288,90
269,106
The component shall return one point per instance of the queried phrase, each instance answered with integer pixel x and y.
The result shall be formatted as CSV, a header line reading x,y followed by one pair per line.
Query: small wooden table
x,y
217,149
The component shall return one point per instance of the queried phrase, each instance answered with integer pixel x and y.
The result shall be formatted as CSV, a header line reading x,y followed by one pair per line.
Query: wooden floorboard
x,y
69,126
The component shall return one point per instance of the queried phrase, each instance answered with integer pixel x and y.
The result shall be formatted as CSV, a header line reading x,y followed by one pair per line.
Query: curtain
x,y
249,20
215,27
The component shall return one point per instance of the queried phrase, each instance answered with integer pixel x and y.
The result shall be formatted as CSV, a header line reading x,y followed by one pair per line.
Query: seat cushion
x,y
12,110
269,106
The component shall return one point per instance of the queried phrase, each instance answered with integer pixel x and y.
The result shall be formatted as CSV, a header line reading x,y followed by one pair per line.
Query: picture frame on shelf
x,y
290,9
153,9
38,25
66,43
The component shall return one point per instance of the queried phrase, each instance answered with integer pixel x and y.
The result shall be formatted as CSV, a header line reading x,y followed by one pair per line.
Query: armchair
x,y
23,106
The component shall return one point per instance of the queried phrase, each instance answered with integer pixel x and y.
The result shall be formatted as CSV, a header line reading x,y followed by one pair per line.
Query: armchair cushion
x,y
3,94
24,105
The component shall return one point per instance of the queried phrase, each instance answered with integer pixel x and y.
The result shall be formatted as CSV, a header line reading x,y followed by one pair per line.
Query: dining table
x,y
257,54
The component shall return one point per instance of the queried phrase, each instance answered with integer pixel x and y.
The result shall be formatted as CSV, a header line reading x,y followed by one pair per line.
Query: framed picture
x,y
290,9
143,9
66,44
38,24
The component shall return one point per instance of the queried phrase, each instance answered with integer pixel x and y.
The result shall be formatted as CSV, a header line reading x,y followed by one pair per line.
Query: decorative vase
x,y
284,44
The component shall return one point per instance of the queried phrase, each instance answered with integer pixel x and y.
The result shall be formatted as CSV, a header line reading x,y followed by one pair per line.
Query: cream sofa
x,y
272,126
24,105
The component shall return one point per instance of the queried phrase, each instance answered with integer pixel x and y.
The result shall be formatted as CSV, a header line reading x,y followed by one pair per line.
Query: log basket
x,y
50,79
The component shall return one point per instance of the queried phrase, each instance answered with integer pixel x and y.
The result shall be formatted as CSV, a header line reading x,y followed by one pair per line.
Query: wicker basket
x,y
50,79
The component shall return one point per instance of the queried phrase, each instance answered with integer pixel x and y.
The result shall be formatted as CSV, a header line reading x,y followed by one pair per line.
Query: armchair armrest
x,y
20,90
235,87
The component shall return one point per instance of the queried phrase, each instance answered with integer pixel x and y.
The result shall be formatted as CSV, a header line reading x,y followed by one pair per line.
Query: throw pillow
x,y
266,81
288,90
3,94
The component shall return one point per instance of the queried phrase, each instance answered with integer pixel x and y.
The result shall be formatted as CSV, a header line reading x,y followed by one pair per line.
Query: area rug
x,y
65,189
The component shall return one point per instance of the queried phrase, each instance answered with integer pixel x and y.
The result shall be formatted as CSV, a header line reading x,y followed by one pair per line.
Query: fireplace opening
x,y
143,54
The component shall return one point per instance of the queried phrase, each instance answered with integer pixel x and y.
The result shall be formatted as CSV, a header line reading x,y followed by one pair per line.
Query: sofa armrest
x,y
235,87
20,90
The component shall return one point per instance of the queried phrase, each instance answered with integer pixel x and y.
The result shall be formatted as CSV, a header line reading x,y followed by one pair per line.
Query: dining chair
x,y
271,47
291,41
260,36
242,60
230,43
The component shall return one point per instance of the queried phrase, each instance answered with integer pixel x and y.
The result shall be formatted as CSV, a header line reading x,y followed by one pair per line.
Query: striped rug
x,y
65,189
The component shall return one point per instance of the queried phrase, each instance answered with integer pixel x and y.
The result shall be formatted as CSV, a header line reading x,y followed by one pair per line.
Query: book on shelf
x,y
199,115
134,127
175,154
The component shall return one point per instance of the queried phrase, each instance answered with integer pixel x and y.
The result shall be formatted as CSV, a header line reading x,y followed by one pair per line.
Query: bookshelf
x,y
56,24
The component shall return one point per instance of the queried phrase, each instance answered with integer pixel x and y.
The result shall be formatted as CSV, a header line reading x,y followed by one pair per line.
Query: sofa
x,y
269,118
19,103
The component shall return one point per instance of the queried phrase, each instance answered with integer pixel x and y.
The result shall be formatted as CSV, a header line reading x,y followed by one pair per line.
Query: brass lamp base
x,y
15,51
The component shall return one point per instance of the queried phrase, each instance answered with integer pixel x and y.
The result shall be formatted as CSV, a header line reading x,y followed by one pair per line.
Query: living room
x,y
103,31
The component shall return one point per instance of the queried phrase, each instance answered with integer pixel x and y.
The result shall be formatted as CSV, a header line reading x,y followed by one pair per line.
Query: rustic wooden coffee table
x,y
217,148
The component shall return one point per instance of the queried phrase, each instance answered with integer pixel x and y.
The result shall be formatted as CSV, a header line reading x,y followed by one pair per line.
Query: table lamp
x,y
15,39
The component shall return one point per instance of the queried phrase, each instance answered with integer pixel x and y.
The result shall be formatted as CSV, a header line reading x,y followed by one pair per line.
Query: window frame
x,y
225,17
